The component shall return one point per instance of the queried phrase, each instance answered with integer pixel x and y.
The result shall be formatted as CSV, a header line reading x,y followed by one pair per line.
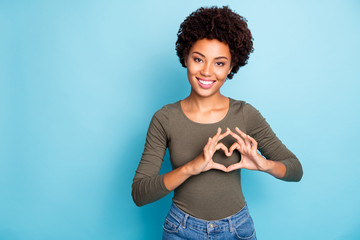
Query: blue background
x,y
80,81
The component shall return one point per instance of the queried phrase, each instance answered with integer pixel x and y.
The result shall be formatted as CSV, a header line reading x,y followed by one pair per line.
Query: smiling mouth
x,y
205,83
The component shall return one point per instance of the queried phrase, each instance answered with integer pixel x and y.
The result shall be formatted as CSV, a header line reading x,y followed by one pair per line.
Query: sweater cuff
x,y
294,170
162,184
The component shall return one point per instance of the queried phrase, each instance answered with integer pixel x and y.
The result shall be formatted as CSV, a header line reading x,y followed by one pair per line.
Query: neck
x,y
205,103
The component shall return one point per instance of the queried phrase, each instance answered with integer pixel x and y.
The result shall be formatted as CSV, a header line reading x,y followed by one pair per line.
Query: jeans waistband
x,y
227,223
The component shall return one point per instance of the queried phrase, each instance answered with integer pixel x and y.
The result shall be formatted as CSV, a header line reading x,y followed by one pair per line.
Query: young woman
x,y
210,137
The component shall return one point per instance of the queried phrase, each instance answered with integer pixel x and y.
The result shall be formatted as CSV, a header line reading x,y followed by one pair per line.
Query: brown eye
x,y
197,60
220,64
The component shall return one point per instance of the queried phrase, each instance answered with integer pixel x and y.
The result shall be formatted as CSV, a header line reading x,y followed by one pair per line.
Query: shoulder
x,y
167,111
250,115
242,107
161,120
167,114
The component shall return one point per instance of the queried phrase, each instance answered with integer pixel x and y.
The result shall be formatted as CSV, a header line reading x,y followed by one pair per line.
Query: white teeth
x,y
206,82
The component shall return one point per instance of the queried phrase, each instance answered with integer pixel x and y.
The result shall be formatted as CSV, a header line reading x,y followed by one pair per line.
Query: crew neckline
x,y
206,124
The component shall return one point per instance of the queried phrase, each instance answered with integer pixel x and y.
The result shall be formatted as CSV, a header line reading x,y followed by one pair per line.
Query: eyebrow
x,y
220,57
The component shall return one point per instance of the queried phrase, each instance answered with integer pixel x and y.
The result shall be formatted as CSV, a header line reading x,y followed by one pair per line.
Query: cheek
x,y
222,73
192,69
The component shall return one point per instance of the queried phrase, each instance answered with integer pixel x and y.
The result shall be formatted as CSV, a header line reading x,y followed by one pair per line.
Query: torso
x,y
213,194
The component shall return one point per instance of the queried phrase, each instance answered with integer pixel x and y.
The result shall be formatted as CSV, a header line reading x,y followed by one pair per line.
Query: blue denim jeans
x,y
180,225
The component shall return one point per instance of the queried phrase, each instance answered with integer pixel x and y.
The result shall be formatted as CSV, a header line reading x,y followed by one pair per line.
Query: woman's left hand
x,y
247,147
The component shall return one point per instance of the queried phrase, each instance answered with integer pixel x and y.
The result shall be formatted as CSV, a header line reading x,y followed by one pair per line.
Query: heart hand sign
x,y
244,144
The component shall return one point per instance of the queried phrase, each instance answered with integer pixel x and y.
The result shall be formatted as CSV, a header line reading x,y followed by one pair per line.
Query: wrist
x,y
186,170
192,168
189,169
266,165
275,168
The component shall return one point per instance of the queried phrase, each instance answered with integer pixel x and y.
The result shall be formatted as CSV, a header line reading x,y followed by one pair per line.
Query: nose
x,y
206,71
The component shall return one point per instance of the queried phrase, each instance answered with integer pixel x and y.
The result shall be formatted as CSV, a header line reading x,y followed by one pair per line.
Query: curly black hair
x,y
216,23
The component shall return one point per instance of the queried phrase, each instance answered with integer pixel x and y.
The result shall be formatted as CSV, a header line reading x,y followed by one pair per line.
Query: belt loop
x,y
230,224
184,220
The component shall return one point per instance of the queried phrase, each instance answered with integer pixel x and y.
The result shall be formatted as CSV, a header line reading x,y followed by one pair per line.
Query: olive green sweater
x,y
213,194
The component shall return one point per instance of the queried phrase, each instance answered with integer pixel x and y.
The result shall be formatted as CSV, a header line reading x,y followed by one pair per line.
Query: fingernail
x,y
219,129
237,128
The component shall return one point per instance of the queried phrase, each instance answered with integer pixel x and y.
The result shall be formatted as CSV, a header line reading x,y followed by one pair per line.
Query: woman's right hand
x,y
201,163
204,161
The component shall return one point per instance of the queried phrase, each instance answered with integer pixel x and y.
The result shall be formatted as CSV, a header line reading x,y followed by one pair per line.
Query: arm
x,y
148,186
202,163
277,161
274,168
251,159
271,147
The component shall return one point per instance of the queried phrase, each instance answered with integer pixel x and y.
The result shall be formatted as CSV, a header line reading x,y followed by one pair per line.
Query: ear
x,y
230,70
185,61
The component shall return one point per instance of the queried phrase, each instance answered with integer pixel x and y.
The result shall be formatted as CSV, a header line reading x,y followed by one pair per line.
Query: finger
x,y
254,143
234,167
221,136
219,167
240,132
209,141
223,147
216,136
244,136
206,147
233,147
237,137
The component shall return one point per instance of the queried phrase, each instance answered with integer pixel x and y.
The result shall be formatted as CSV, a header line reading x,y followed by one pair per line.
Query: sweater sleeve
x,y
270,145
148,186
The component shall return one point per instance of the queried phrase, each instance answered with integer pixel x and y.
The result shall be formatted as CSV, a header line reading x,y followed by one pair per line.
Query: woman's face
x,y
208,64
